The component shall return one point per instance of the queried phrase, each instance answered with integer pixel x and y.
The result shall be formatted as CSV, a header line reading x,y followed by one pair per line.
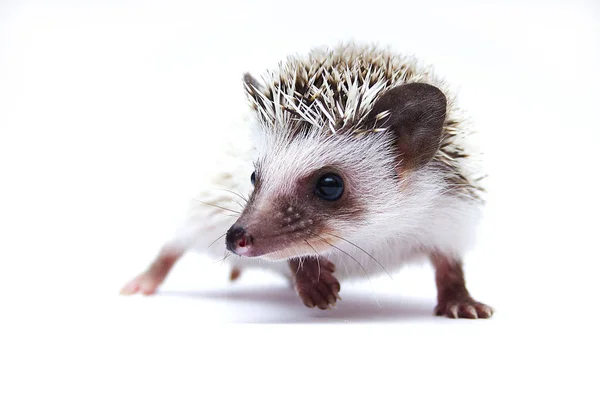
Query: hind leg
x,y
202,230
235,273
454,300
147,282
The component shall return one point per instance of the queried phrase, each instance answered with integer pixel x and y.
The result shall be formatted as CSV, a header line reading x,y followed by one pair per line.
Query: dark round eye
x,y
330,187
253,178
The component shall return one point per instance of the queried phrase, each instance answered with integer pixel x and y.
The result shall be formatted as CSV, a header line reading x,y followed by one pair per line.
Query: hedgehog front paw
x,y
315,283
464,308
323,294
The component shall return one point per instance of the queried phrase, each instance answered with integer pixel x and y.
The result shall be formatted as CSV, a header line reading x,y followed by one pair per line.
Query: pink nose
x,y
238,240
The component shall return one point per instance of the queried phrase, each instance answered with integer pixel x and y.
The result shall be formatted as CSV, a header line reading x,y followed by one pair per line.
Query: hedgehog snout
x,y
275,226
238,240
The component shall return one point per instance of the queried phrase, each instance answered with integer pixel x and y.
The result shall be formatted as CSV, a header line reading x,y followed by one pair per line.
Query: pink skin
x,y
243,250
243,247
147,282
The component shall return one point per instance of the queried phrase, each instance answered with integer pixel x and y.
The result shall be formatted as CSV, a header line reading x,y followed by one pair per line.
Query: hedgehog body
x,y
360,161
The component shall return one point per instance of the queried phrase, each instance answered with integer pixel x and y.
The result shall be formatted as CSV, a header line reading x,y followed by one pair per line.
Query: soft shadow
x,y
283,306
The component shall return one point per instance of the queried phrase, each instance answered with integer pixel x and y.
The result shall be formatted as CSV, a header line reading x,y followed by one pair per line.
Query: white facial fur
x,y
410,214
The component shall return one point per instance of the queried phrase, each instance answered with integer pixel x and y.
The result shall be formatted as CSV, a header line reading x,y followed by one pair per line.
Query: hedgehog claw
x,y
465,308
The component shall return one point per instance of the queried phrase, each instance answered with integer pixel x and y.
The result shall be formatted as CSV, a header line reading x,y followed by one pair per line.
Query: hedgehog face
x,y
321,179
310,191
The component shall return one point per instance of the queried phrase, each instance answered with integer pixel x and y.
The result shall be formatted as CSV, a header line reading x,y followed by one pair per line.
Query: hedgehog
x,y
359,164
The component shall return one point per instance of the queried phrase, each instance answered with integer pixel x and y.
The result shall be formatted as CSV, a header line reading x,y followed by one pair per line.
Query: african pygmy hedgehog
x,y
360,165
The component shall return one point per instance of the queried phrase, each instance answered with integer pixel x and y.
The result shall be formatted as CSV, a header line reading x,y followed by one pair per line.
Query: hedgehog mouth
x,y
309,247
284,251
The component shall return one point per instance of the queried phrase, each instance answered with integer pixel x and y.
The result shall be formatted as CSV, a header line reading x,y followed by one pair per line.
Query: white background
x,y
110,115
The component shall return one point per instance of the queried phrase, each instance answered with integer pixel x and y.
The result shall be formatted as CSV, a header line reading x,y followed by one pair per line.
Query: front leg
x,y
315,283
454,301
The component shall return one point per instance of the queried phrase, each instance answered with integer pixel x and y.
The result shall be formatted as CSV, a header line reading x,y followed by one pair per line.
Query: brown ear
x,y
415,113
